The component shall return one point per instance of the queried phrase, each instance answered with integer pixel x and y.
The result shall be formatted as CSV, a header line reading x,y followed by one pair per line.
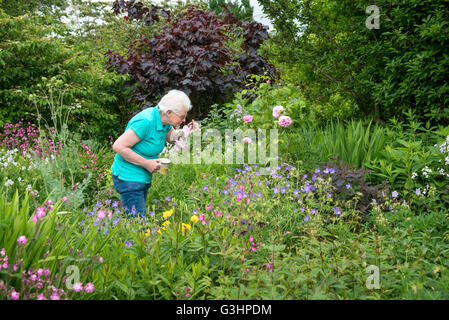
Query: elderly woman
x,y
139,146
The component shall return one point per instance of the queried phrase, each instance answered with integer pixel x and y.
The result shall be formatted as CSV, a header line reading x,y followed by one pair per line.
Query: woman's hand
x,y
152,165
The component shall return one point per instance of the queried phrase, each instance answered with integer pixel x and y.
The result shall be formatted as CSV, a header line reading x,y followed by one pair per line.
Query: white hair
x,y
176,101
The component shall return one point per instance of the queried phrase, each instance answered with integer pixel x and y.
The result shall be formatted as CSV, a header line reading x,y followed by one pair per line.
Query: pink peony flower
x,y
22,240
277,111
247,140
247,118
285,121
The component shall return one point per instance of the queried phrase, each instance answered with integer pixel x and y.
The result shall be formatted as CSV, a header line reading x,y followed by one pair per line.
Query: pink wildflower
x,y
77,287
64,199
247,140
41,297
22,240
101,214
14,295
55,296
89,287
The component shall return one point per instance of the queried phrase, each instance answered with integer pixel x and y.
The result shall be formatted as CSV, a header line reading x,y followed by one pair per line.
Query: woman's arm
x,y
123,146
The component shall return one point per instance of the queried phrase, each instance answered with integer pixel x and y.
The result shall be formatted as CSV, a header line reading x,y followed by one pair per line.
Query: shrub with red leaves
x,y
190,54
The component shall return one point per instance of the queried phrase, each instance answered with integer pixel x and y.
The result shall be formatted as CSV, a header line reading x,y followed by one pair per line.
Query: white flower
x,y
414,175
19,179
394,194
418,192
9,182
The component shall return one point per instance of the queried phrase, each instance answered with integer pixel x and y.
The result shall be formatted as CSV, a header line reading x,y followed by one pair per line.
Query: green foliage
x,y
384,71
414,158
355,143
241,9
40,71
21,7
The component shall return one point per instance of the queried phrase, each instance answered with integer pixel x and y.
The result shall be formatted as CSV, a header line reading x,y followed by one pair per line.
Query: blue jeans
x,y
133,196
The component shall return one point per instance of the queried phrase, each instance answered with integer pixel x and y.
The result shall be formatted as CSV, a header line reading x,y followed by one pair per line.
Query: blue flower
x,y
167,198
306,218
296,192
116,221
313,211
128,244
108,202
204,188
348,186
283,190
337,211
114,204
275,189
225,192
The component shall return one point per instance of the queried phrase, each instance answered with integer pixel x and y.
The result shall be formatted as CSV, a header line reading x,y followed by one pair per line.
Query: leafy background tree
x,y
241,9
385,71
195,52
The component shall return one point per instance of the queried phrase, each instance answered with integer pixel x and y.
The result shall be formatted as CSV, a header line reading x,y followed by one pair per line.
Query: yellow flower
x,y
194,218
166,223
167,214
148,232
186,226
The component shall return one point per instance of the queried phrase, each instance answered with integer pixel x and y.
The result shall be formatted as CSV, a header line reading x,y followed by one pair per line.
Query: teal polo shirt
x,y
152,134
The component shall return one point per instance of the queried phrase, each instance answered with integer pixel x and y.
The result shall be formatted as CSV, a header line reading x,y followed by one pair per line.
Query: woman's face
x,y
175,118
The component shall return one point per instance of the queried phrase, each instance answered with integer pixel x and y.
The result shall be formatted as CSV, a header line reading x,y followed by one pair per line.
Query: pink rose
x,y
247,118
285,121
277,111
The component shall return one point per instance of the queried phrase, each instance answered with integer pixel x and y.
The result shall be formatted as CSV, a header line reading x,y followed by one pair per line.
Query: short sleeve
x,y
140,127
